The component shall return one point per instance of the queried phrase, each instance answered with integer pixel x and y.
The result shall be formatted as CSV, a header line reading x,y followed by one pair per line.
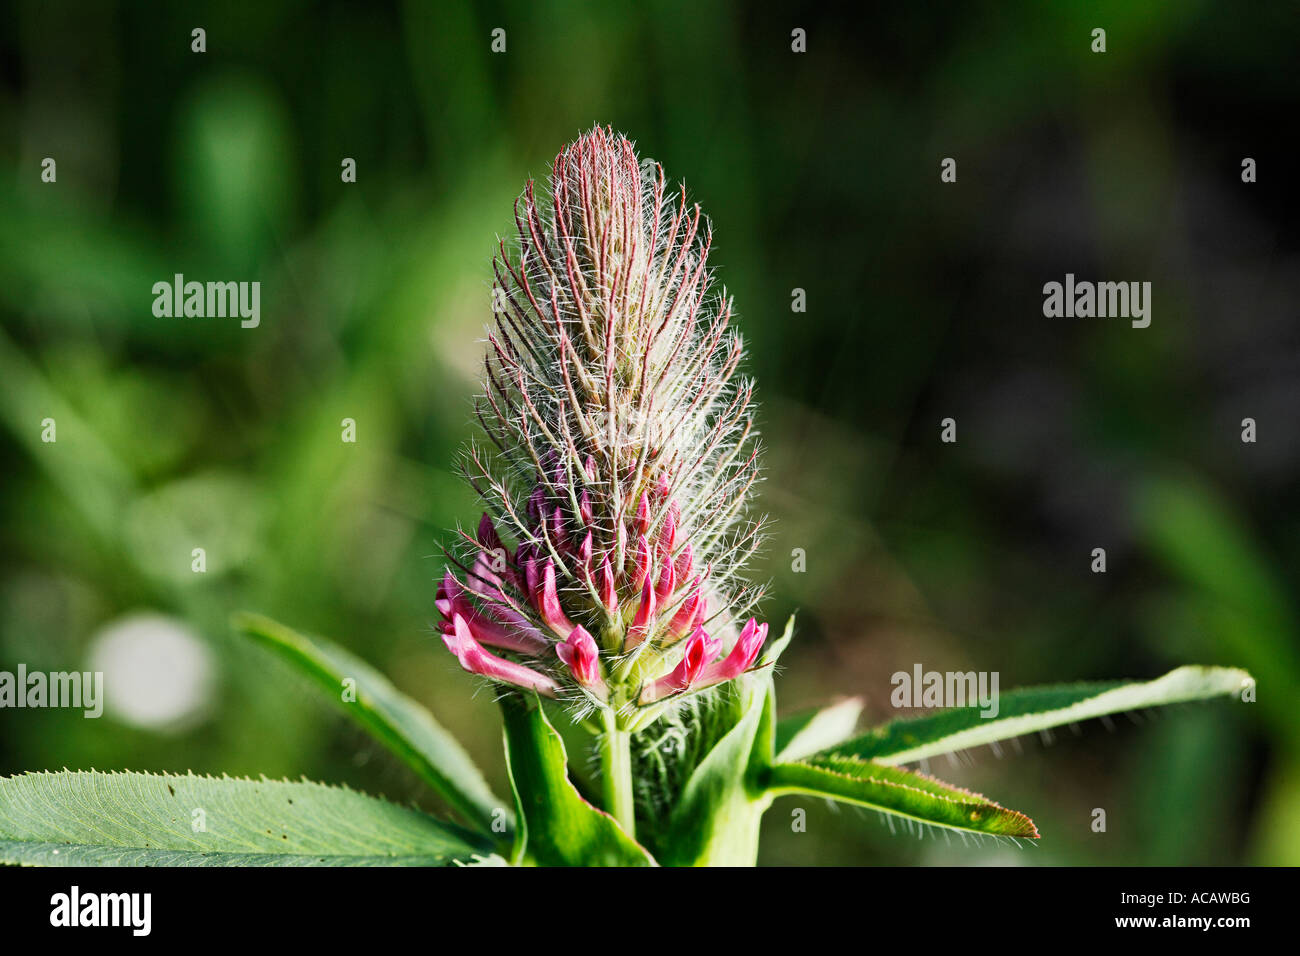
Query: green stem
x,y
616,775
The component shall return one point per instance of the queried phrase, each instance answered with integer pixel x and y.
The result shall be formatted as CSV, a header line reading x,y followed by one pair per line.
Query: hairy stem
x,y
616,774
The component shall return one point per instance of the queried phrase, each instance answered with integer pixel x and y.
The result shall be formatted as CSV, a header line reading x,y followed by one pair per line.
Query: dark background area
x,y
820,171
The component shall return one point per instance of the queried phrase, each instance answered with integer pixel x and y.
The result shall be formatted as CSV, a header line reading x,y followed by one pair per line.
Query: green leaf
x,y
758,689
142,819
1037,708
777,647
716,817
802,734
900,792
397,721
556,826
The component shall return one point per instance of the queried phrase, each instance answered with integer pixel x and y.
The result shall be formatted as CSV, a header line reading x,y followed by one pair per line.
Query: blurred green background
x,y
821,172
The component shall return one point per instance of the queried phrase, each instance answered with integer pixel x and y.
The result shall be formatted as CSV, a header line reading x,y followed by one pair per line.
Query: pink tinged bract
x,y
472,656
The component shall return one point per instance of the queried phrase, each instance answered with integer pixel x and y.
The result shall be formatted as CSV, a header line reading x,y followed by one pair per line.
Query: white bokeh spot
x,y
158,674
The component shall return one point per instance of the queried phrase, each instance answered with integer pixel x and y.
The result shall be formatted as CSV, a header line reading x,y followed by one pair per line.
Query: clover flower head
x,y
620,452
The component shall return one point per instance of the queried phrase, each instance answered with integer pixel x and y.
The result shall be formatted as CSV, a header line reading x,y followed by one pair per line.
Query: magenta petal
x,y
476,660
487,534
580,653
666,584
536,501
695,659
684,621
643,618
641,562
608,593
444,597
668,536
548,604
531,578
742,655
482,574
495,624
557,529
685,561
511,636
712,644
643,514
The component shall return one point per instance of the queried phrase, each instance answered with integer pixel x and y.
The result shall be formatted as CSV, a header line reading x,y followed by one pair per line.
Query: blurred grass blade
x,y
94,480
556,825
397,721
1234,587
1196,532
1035,708
900,792
144,819
805,733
